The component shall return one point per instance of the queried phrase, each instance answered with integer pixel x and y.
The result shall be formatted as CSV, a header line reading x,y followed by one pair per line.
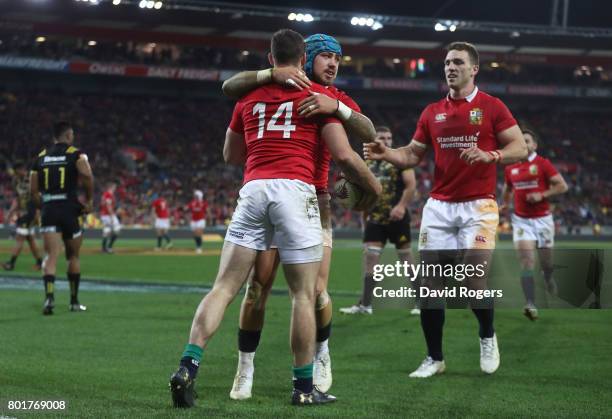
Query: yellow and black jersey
x,y
390,178
57,173
21,185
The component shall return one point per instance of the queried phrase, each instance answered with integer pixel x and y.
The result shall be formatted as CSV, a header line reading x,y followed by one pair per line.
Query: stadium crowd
x,y
152,145
207,56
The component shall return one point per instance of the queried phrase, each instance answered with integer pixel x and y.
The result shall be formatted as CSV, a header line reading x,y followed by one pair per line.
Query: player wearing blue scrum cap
x,y
323,54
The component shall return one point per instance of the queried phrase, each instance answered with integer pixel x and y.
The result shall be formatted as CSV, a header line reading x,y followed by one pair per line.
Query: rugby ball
x,y
346,193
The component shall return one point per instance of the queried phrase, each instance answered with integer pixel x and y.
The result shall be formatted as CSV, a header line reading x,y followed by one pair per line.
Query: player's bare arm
x,y
86,177
557,186
12,210
353,167
506,198
513,149
399,211
234,148
245,81
354,122
404,157
34,189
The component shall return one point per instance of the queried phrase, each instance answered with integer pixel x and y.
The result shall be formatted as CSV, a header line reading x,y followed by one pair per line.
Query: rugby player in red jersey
x,y
110,222
277,201
161,213
198,208
533,181
470,132
323,55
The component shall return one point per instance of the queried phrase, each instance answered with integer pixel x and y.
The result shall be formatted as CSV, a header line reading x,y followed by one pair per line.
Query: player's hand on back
x,y
375,150
316,104
291,76
475,155
397,213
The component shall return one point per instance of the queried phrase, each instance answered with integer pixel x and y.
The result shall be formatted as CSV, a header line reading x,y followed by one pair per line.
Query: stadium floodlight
x,y
396,61
369,21
116,2
299,17
158,5
40,39
452,28
439,27
92,43
93,1
150,4
494,64
376,26
308,17
142,4
362,21
354,20
291,16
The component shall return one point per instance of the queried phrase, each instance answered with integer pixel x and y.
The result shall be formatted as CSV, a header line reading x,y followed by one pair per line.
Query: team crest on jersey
x,y
441,117
533,169
514,171
476,116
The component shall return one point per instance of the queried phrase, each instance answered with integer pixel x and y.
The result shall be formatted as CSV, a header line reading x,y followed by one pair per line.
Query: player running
x,y
110,223
198,208
469,132
533,181
277,200
54,179
388,220
323,56
27,215
161,213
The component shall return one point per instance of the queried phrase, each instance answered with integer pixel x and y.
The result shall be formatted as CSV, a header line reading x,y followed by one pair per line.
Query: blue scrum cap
x,y
315,45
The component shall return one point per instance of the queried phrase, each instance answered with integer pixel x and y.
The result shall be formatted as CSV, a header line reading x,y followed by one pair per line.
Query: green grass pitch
x,y
115,359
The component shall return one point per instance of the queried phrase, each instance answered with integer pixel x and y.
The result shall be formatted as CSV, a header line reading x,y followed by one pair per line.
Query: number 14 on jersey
x,y
286,108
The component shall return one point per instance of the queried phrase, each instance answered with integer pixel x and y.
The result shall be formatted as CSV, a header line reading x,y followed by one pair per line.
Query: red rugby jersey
x,y
161,208
324,156
280,143
198,209
108,200
449,126
532,175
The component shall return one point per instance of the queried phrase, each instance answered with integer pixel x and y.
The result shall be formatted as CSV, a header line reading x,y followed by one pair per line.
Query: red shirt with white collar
x,y
450,126
532,175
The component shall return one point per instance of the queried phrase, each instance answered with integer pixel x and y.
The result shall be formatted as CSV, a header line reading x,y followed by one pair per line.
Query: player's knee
x,y
372,256
254,293
322,300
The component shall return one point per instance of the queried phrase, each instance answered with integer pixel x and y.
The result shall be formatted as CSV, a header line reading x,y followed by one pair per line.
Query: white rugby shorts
x,y
285,210
458,225
110,223
198,225
539,229
162,223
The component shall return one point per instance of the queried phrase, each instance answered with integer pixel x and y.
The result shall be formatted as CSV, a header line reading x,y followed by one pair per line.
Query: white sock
x,y
245,362
322,347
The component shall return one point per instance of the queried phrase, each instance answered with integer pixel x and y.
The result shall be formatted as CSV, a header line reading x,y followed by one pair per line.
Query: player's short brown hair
x,y
60,128
465,46
287,46
382,128
533,134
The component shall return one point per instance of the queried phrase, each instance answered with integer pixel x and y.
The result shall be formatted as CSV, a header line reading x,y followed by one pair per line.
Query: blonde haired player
x,y
532,182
